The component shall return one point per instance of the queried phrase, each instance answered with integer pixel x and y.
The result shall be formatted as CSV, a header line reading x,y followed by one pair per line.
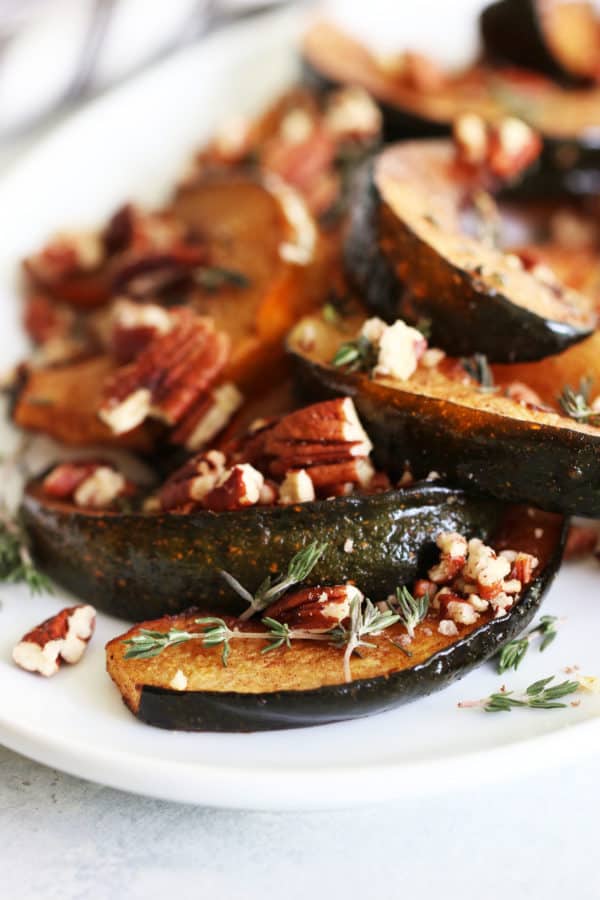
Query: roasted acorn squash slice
x,y
304,685
482,440
559,39
138,566
413,253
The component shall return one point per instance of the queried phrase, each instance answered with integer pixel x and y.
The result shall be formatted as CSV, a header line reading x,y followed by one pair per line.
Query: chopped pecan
x,y
168,377
100,489
134,325
352,472
325,433
305,165
352,114
45,319
315,607
95,485
193,481
475,578
453,554
237,487
471,137
297,487
151,251
486,569
207,418
250,447
67,254
64,479
503,148
268,493
524,395
513,146
521,571
456,608
61,638
422,587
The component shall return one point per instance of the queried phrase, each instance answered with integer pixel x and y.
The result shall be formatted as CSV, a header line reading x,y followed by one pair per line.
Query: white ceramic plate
x,y
132,144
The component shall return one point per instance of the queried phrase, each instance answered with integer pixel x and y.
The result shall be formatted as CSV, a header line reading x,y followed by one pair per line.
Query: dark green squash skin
x,y
556,469
511,32
467,315
234,712
141,567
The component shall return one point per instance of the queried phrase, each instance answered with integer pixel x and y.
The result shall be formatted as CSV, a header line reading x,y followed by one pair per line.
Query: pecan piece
x,y
94,485
236,488
453,548
297,487
67,254
64,479
513,146
151,251
321,434
193,481
503,149
45,319
168,377
61,638
134,325
524,395
208,417
315,607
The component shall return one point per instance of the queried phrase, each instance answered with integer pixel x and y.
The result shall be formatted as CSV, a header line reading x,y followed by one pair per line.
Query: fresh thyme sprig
x,y
299,568
363,621
16,563
478,368
147,643
576,404
359,355
539,695
512,654
211,278
411,610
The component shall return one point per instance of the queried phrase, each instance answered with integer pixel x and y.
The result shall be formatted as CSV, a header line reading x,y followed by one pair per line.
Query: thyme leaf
x,y
478,368
146,643
16,563
299,568
411,610
541,694
512,654
364,621
359,355
576,404
211,278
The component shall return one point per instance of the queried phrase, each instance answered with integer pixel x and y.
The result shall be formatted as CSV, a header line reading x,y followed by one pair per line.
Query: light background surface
x,y
534,837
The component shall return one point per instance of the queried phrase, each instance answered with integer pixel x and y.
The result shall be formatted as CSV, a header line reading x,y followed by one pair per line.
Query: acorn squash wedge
x,y
559,39
188,688
436,421
413,252
139,566
331,59
247,230
566,117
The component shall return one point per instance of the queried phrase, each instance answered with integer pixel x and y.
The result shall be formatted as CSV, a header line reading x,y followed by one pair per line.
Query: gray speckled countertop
x,y
66,839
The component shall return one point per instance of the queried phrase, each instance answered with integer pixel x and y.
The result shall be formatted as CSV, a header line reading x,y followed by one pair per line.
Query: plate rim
x,y
239,787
